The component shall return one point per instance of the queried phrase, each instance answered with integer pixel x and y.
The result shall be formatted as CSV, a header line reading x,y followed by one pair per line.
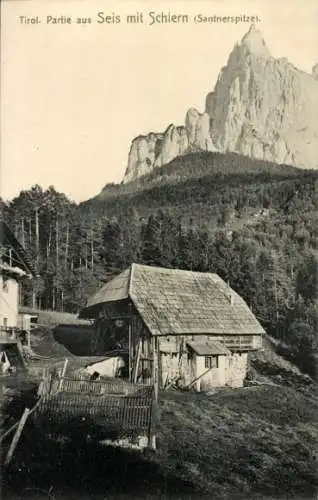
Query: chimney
x,y
230,294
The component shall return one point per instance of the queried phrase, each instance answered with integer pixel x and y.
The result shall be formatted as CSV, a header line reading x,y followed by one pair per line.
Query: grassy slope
x,y
238,443
251,443
258,441
59,336
247,442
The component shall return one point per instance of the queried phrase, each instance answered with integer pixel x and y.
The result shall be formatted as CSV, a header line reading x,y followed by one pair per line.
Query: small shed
x,y
210,363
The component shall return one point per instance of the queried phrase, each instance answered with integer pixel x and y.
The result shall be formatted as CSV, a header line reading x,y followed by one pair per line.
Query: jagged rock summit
x,y
254,42
261,107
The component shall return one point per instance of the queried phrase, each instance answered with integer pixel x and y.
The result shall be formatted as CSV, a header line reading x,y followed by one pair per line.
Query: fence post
x,y
63,374
17,435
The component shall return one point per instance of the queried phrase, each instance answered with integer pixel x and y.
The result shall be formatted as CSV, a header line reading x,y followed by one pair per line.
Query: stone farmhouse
x,y
173,327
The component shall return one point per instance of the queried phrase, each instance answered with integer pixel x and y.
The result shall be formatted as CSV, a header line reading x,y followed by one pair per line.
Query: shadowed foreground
x,y
87,471
255,443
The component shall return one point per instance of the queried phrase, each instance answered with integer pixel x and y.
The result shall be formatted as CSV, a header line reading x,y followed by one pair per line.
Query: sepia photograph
x,y
159,250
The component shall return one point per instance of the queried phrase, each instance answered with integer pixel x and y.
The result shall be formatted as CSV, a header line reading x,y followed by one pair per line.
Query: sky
x,y
74,96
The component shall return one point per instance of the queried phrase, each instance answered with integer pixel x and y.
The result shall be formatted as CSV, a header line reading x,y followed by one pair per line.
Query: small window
x,y
5,285
5,322
211,362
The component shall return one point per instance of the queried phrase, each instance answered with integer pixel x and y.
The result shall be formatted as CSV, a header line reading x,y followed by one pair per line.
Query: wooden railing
x,y
90,387
241,344
8,334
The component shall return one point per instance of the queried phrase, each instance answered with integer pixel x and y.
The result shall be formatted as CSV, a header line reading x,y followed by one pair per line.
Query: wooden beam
x,y
155,367
123,317
137,361
63,374
129,346
170,384
20,355
198,378
152,425
17,436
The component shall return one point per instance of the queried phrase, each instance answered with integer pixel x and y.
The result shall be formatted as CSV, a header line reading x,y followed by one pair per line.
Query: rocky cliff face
x,y
261,107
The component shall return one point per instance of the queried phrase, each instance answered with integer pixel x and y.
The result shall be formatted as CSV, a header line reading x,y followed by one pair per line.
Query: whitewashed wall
x,y
230,372
216,377
9,298
237,366
107,367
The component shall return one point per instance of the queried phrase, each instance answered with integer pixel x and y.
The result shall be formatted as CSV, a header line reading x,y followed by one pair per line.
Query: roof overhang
x,y
210,348
115,290
95,310
17,272
177,302
8,238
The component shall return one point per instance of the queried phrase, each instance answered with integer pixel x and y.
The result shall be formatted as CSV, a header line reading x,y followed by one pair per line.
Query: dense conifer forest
x,y
252,222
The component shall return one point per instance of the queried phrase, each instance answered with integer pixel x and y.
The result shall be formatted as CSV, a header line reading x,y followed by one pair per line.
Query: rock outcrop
x,y
155,150
261,107
142,155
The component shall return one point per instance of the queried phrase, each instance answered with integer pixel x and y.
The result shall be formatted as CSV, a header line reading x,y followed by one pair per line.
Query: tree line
x,y
268,255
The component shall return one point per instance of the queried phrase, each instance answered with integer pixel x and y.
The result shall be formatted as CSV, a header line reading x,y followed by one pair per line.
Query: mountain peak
x,y
260,107
253,40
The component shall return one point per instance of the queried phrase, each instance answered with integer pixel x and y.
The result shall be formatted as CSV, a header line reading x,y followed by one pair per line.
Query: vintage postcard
x,y
159,249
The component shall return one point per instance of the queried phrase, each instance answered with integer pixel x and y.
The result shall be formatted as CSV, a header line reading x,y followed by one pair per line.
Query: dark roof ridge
x,y
176,270
6,233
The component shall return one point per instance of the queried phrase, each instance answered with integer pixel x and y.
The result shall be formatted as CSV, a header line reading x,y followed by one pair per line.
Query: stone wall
x,y
174,366
231,371
178,363
236,371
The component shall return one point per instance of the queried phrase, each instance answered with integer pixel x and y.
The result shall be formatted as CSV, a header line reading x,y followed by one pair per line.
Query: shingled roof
x,y
21,258
176,302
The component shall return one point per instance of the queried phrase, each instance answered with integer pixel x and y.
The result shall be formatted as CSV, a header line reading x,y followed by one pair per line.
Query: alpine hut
x,y
174,327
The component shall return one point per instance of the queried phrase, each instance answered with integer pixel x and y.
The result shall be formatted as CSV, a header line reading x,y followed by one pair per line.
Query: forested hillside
x,y
254,223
